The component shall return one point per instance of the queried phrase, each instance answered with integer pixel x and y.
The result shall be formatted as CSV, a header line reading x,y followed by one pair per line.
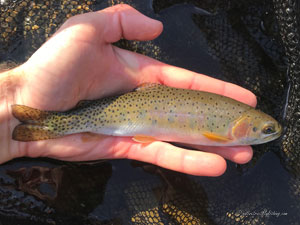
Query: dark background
x,y
254,44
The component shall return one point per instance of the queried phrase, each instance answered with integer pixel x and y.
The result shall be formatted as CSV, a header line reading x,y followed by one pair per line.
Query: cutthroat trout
x,y
154,112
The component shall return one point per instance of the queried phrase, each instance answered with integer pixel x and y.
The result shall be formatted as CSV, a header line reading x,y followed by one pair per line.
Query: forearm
x,y
10,86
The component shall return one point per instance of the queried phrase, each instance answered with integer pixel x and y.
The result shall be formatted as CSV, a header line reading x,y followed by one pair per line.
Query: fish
x,y
154,112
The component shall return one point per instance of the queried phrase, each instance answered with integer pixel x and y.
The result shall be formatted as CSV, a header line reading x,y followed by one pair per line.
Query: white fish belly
x,y
163,134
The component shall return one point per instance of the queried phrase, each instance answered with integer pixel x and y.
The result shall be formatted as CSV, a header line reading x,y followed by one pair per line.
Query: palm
x,y
80,63
76,70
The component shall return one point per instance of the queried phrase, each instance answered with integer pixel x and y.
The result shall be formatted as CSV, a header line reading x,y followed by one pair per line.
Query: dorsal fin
x,y
82,103
147,86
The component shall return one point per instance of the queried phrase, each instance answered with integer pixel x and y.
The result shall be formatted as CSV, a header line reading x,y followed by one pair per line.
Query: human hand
x,y
79,62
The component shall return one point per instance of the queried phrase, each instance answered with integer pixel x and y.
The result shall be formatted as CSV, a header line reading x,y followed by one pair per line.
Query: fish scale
x,y
155,112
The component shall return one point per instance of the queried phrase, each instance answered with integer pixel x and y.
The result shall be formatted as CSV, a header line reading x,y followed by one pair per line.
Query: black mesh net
x,y
254,44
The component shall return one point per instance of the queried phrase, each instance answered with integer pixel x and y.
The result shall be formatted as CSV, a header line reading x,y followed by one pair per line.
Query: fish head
x,y
255,127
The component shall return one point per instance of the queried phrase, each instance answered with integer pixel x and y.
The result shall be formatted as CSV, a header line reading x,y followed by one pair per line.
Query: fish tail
x,y
30,132
30,115
34,124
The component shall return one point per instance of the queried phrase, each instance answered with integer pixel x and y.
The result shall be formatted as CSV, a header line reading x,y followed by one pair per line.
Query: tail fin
x,y
26,114
33,126
29,132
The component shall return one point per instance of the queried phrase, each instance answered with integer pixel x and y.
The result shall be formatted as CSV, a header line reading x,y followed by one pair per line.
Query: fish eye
x,y
268,129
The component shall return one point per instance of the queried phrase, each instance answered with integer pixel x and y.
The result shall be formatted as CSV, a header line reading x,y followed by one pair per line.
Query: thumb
x,y
123,21
110,25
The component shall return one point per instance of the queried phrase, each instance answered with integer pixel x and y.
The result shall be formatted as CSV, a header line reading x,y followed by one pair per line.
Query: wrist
x,y
10,86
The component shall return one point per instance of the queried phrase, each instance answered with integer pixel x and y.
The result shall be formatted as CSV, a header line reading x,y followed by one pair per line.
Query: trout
x,y
154,112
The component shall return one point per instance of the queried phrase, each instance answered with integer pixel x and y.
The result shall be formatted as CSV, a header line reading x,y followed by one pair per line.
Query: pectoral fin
x,y
143,139
216,137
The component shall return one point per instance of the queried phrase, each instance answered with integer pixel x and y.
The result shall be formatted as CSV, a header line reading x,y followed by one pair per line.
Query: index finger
x,y
178,77
145,69
182,78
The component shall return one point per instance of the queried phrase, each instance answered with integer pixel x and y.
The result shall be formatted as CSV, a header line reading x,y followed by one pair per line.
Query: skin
x,y
79,62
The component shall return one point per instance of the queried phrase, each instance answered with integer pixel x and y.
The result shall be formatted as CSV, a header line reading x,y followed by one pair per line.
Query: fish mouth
x,y
279,132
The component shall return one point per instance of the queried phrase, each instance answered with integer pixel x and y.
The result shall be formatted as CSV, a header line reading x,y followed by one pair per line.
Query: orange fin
x,y
147,86
216,137
29,115
143,139
28,132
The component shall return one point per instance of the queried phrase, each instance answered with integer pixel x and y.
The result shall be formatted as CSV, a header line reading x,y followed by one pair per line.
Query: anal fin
x,y
88,136
144,139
